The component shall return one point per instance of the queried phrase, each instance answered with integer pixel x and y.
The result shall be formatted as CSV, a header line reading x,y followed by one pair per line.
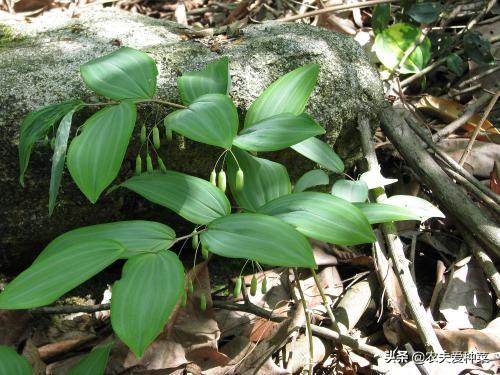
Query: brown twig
x,y
468,112
396,251
450,196
336,8
70,309
478,129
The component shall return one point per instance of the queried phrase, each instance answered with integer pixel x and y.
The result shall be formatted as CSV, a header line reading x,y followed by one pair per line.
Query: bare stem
x,y
308,321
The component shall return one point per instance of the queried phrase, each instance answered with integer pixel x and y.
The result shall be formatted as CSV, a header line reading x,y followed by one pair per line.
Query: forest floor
x,y
437,138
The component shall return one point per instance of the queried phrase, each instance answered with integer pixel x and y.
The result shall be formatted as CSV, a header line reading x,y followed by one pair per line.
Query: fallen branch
x,y
449,196
396,251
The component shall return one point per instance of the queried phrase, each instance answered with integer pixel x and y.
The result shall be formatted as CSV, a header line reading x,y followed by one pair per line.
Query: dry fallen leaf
x,y
449,110
466,302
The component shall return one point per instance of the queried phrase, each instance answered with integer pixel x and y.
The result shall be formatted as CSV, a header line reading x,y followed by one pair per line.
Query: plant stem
x,y
308,321
329,311
192,234
396,251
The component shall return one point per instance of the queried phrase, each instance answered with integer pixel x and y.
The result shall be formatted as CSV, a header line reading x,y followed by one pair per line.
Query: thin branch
x,y
335,8
70,309
308,321
447,159
396,251
478,129
469,111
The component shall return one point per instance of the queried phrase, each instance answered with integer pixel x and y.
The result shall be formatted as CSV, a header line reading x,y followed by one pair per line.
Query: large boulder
x,y
41,66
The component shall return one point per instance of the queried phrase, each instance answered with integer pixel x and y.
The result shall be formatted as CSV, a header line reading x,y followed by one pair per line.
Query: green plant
x,y
273,227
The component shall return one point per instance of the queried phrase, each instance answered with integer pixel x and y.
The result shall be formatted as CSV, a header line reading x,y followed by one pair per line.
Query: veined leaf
x,y
425,12
392,44
288,94
261,238
123,74
351,191
319,152
13,363
35,127
93,363
310,179
384,213
58,158
381,17
416,205
265,180
214,79
322,217
96,155
193,198
48,279
144,298
136,236
210,119
277,132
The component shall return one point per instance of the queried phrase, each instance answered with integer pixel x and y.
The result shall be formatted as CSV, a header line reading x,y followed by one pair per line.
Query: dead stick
x,y
449,196
478,129
396,251
336,8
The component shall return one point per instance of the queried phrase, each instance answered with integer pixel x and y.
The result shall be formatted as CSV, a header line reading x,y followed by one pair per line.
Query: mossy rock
x,y
41,67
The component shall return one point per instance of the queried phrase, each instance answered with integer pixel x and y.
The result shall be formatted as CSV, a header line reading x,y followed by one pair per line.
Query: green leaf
x,y
48,279
58,158
416,205
193,198
322,217
381,17
384,213
210,119
96,155
310,179
277,132
288,94
214,79
478,48
391,45
35,127
319,152
144,298
13,363
264,239
93,363
123,74
455,64
351,191
265,180
136,236
425,12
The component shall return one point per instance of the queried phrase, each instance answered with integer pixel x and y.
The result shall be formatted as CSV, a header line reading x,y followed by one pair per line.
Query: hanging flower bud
x,y
138,164
162,165
190,285
203,302
263,286
204,252
143,134
53,143
237,287
156,137
253,286
149,164
213,178
221,180
195,241
168,134
240,179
